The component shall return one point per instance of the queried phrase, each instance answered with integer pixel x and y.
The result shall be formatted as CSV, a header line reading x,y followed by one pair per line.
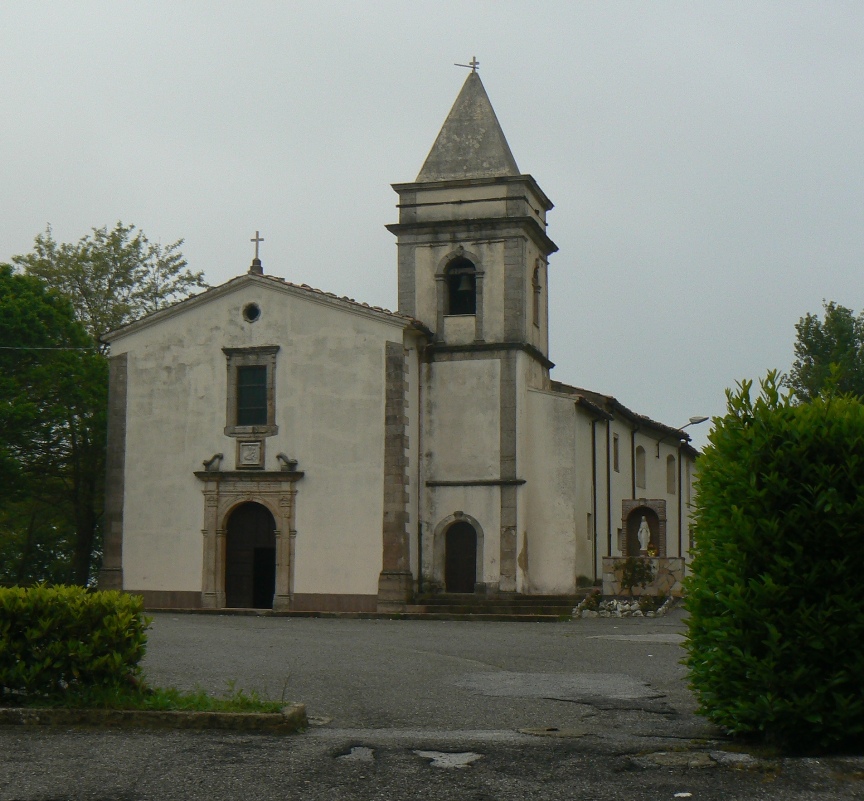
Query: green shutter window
x,y
252,396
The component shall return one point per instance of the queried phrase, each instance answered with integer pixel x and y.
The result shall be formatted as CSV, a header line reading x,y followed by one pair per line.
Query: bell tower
x,y
473,249
473,256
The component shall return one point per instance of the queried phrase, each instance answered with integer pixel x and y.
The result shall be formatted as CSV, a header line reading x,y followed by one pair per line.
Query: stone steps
x,y
508,609
461,598
455,599
450,606
474,606
495,617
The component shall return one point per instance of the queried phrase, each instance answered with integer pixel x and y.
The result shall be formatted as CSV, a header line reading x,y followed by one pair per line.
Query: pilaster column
x,y
111,574
395,582
441,302
221,537
292,548
284,560
508,415
209,593
478,307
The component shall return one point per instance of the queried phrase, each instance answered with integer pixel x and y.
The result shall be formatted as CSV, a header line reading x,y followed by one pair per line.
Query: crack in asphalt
x,y
611,705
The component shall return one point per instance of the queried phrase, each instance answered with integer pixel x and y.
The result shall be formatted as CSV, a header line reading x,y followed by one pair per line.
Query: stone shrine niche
x,y
654,512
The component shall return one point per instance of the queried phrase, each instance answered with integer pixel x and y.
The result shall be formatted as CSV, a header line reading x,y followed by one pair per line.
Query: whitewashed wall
x,y
329,385
461,442
558,493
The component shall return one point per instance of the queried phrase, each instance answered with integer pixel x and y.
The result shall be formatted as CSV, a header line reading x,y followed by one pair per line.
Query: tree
x,y
774,593
53,388
53,396
111,277
828,354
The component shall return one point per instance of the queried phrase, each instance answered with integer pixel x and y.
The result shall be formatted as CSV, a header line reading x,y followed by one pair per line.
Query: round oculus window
x,y
251,312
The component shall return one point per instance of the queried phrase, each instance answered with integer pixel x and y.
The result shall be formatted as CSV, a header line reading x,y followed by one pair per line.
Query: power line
x,y
34,347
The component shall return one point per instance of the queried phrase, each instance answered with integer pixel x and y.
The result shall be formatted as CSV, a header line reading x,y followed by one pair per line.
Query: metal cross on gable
x,y
471,65
256,239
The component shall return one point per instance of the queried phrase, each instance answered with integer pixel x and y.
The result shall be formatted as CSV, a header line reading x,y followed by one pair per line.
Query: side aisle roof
x,y
607,405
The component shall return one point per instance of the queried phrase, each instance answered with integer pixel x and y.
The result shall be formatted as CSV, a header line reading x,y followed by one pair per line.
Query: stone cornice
x,y
258,350
479,482
487,347
528,224
458,183
249,475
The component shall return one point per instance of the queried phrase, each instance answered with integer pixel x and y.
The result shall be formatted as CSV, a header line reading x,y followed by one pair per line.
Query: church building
x,y
275,445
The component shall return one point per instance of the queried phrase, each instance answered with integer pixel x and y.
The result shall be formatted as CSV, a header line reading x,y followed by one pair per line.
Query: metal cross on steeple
x,y
471,65
256,268
256,239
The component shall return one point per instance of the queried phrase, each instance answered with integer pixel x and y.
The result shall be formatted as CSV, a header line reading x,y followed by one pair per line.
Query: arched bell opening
x,y
461,287
250,557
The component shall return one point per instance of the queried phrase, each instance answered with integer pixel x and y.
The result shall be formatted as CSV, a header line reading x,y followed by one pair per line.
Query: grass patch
x,y
142,697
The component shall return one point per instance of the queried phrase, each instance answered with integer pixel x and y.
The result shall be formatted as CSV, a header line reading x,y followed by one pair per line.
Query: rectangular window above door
x,y
251,396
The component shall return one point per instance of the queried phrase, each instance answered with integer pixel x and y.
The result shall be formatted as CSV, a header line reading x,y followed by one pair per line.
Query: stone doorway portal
x,y
250,557
460,561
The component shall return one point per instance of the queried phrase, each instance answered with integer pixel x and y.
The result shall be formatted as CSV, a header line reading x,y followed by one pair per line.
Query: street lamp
x,y
694,421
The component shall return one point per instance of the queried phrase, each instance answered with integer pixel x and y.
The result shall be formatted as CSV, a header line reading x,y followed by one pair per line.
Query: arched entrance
x,y
460,560
250,557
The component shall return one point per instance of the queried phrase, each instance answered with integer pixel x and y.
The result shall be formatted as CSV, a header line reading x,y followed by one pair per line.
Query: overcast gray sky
x,y
706,159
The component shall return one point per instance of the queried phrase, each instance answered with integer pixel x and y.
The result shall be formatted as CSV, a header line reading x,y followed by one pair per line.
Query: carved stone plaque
x,y
250,453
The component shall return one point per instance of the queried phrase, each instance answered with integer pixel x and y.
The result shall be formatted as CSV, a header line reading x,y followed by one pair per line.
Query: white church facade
x,y
273,445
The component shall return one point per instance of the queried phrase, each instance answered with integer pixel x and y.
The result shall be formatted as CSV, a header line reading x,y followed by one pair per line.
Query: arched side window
x,y
461,287
640,467
688,483
535,287
670,474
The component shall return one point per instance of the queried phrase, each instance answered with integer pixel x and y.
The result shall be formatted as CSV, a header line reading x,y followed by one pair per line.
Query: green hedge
x,y
56,638
776,592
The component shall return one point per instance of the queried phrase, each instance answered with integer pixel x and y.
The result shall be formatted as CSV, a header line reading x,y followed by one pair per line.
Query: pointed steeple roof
x,y
471,143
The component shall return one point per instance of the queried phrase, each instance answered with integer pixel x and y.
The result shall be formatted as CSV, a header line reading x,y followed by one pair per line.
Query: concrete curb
x,y
291,720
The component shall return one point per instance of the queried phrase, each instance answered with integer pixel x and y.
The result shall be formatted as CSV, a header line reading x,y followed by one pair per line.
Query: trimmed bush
x,y
776,594
56,638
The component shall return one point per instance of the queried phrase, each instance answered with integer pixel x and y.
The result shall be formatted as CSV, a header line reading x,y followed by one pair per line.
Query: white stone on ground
x,y
442,759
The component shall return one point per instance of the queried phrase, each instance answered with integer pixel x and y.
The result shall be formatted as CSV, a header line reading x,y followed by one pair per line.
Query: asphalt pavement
x,y
593,709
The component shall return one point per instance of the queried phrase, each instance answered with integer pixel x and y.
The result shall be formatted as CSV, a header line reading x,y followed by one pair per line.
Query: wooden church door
x,y
250,557
460,561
